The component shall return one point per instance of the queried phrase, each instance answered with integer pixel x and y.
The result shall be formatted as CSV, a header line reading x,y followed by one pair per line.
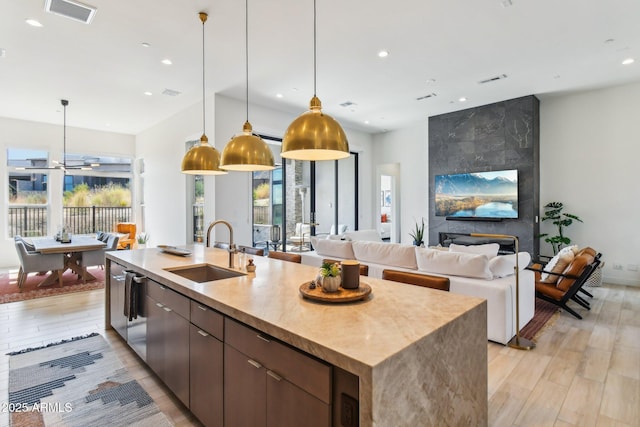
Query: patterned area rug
x,y
544,312
9,291
79,382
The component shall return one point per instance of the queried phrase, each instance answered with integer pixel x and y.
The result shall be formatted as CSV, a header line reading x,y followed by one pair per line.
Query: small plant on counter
x,y
329,270
143,238
418,234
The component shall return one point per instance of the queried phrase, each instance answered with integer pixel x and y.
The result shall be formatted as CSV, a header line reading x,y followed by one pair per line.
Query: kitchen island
x,y
419,355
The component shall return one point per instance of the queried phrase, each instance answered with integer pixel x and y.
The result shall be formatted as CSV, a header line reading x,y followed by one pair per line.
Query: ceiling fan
x,y
63,164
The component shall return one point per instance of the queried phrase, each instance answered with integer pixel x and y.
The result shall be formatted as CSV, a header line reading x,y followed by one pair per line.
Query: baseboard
x,y
620,281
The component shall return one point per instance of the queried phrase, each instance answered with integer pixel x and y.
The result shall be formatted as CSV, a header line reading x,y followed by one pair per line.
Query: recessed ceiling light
x,y
148,93
462,99
145,44
33,23
383,54
628,61
167,62
279,95
366,122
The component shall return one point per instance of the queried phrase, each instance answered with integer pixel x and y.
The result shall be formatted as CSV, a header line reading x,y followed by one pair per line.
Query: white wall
x,y
49,137
410,148
589,148
233,191
162,147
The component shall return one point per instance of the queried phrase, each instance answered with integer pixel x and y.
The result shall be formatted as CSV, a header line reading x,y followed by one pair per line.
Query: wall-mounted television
x,y
477,195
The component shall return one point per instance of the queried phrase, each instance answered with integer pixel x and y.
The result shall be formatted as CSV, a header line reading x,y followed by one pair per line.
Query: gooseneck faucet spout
x,y
232,247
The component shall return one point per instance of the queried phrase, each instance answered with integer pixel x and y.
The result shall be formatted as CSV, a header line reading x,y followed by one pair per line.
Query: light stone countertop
x,y
389,330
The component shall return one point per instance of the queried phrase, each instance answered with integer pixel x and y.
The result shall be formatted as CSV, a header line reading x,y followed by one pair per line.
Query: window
x,y
28,196
96,192
99,198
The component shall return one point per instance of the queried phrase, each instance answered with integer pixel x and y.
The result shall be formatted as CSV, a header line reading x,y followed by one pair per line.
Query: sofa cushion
x,y
334,248
390,254
503,265
363,235
454,263
488,249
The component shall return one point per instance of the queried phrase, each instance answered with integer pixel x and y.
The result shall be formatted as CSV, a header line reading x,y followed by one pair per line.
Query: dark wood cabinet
x,y
168,338
206,365
268,383
245,390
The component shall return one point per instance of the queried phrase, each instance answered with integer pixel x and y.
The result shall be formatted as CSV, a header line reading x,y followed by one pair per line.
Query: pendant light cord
x,y
204,99
246,51
314,48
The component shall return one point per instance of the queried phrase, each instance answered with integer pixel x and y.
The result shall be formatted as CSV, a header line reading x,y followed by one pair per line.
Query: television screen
x,y
478,195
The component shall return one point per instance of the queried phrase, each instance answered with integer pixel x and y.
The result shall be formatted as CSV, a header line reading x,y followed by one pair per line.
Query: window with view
x,y
96,192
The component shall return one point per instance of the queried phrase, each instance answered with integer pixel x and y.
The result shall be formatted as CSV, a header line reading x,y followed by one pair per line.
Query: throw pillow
x,y
363,235
564,258
392,254
504,265
488,249
334,249
453,263
552,262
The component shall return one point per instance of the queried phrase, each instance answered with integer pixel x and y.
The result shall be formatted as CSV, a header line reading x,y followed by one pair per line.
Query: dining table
x,y
72,254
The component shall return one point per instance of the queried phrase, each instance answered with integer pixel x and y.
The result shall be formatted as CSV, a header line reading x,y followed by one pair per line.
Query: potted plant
x,y
553,212
142,239
330,276
418,234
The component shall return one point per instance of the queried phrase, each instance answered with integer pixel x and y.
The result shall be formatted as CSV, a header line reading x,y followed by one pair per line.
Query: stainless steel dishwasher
x,y
137,326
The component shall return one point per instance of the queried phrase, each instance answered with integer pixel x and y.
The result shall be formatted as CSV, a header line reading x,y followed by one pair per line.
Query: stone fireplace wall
x,y
504,135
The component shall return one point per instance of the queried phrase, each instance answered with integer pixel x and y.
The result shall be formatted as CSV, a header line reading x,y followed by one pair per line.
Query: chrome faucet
x,y
232,247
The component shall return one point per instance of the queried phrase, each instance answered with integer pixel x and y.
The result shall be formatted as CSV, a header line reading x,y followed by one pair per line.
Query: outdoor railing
x,y
31,221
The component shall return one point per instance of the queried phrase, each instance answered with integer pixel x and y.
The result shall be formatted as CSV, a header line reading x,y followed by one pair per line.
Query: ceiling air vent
x,y
429,95
171,92
71,9
348,104
493,79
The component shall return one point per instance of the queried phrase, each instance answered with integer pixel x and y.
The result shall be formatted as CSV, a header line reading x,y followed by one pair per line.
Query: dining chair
x,y
97,256
28,245
285,256
424,280
251,250
35,262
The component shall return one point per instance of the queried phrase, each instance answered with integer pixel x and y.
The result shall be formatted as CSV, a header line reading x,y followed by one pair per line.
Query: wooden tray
x,y
341,295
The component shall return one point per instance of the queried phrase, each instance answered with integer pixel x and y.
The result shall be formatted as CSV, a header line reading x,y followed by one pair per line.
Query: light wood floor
x,y
582,373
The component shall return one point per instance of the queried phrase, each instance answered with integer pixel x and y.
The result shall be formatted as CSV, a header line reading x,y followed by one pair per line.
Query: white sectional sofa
x,y
472,270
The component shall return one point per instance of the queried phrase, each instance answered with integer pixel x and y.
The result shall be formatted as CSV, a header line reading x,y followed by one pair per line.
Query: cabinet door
x,y
205,371
244,390
290,406
176,353
155,336
116,299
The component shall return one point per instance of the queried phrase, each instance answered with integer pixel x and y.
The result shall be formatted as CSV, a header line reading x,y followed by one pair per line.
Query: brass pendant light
x,y
315,135
246,151
202,159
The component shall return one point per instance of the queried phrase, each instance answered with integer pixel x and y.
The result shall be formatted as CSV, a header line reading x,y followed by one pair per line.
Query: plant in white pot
x,y
331,278
142,239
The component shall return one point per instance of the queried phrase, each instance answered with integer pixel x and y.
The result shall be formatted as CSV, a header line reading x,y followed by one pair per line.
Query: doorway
x,y
388,212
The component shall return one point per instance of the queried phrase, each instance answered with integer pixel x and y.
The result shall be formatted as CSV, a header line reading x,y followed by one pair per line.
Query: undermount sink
x,y
204,272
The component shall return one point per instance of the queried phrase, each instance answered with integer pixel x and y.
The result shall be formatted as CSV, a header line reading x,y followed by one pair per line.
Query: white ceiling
x,y
545,47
